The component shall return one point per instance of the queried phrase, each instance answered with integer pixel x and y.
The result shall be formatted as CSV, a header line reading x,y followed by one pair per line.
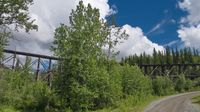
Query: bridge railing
x,y
39,63
154,69
43,63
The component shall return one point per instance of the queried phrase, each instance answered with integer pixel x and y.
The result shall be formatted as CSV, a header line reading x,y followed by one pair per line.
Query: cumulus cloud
x,y
189,31
190,36
136,43
192,7
103,7
49,15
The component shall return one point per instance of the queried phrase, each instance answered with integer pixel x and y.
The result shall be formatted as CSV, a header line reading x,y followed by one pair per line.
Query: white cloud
x,y
190,36
189,30
192,7
49,15
137,42
172,43
103,7
156,27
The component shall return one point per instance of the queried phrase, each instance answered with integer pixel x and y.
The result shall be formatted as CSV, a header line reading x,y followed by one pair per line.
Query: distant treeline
x,y
169,56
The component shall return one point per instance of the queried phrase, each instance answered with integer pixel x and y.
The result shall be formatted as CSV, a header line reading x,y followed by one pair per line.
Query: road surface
x,y
176,103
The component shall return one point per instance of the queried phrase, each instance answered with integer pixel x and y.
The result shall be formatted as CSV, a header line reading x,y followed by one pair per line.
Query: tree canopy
x,y
15,12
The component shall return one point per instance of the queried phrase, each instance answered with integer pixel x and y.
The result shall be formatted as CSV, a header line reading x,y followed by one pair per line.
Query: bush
x,y
134,82
100,85
21,92
99,88
162,86
106,85
8,109
36,96
182,84
115,81
197,82
189,85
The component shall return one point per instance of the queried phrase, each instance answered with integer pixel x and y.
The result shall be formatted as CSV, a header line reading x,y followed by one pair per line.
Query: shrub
x,y
36,96
162,86
19,91
8,109
197,82
106,85
134,82
182,84
115,81
99,88
189,85
100,85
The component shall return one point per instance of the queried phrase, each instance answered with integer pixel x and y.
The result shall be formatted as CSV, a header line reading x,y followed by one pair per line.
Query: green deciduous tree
x,y
84,80
14,13
134,82
162,85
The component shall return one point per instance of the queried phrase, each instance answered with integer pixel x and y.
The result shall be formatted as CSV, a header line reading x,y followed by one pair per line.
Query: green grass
x,y
8,109
196,99
131,104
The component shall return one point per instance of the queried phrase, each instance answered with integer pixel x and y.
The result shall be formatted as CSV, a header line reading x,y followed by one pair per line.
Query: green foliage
x,y
196,99
15,12
8,109
19,91
115,81
197,82
170,56
189,85
134,82
87,78
182,84
85,81
162,85
83,40
101,89
3,39
131,104
35,97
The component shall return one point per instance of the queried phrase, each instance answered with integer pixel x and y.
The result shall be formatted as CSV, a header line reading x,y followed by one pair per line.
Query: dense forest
x,y
87,78
169,56
179,57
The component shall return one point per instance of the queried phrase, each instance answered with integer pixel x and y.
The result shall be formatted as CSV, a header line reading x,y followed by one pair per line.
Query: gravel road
x,y
176,103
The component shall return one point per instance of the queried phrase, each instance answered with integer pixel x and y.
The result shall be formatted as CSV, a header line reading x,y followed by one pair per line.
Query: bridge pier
x,y
14,58
38,70
49,76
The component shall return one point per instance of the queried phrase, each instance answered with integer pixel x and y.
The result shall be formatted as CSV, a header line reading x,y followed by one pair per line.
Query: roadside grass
x,y
132,104
4,108
196,100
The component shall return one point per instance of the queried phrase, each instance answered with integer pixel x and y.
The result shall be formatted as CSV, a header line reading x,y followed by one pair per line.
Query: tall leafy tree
x,y
15,13
83,79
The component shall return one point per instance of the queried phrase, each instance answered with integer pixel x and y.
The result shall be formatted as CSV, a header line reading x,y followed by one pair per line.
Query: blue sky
x,y
149,23
159,19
